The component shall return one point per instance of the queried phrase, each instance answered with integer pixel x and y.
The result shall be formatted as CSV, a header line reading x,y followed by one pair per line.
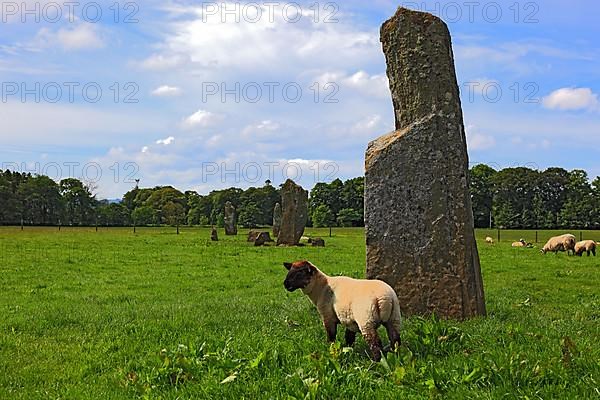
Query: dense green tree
x,y
79,203
144,215
249,215
10,212
173,213
514,192
482,194
113,214
349,217
42,203
322,216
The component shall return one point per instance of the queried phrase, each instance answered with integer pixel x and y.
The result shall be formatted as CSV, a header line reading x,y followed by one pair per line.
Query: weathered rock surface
x,y
419,222
277,219
317,242
252,235
294,207
214,235
229,219
262,239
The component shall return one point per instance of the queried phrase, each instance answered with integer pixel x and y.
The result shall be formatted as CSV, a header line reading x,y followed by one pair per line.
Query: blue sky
x,y
529,74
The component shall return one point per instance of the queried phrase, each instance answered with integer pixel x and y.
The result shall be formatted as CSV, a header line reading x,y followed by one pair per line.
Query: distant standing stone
x,y
294,207
230,225
317,242
214,235
277,219
262,239
252,235
419,221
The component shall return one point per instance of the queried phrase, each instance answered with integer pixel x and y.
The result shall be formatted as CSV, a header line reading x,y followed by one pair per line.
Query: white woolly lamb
x,y
587,246
358,304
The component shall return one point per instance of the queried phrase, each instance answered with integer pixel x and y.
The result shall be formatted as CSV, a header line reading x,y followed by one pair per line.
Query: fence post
x,y
536,236
580,236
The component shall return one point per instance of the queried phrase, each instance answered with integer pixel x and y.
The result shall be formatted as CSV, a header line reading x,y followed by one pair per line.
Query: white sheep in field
x,y
489,240
560,243
588,246
358,304
520,243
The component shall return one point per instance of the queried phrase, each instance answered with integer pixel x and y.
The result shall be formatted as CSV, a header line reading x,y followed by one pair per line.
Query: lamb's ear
x,y
311,268
287,265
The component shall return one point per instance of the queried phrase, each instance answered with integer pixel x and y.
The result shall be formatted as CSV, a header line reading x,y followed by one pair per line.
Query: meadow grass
x,y
117,315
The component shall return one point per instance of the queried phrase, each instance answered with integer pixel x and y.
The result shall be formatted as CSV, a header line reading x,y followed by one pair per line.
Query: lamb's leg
x,y
331,328
370,335
393,335
350,337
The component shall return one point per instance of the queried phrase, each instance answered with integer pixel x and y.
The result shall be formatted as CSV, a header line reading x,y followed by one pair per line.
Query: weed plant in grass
x,y
117,315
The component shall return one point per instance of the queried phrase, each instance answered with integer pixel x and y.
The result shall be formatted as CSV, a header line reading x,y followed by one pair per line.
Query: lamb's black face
x,y
299,275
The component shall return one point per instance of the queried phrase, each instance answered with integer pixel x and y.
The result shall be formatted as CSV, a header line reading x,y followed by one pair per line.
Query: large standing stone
x,y
419,221
277,219
229,220
294,207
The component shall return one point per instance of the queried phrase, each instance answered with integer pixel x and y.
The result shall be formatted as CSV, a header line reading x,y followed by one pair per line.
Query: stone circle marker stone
x,y
294,209
229,219
419,221
252,235
214,235
316,242
277,219
262,239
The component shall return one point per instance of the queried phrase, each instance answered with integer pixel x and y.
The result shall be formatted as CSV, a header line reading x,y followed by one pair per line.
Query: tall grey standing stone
x,y
277,219
229,220
419,221
294,208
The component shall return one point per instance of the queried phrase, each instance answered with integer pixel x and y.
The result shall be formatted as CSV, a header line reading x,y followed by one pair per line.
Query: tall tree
x,y
482,194
79,202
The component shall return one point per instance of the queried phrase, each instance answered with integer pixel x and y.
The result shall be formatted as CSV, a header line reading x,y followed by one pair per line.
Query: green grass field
x,y
113,315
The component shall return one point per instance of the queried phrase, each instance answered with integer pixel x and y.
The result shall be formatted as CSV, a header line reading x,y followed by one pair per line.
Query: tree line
x,y
524,198
38,200
512,198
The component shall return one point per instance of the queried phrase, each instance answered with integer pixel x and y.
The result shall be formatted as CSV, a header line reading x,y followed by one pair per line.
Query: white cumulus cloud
x,y
166,141
166,91
202,119
84,36
572,99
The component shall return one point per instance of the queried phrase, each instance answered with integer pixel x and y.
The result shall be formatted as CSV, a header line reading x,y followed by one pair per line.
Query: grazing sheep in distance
x,y
489,240
588,246
358,304
560,243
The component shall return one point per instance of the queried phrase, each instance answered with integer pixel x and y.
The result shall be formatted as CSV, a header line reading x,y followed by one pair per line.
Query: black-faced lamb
x,y
360,305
